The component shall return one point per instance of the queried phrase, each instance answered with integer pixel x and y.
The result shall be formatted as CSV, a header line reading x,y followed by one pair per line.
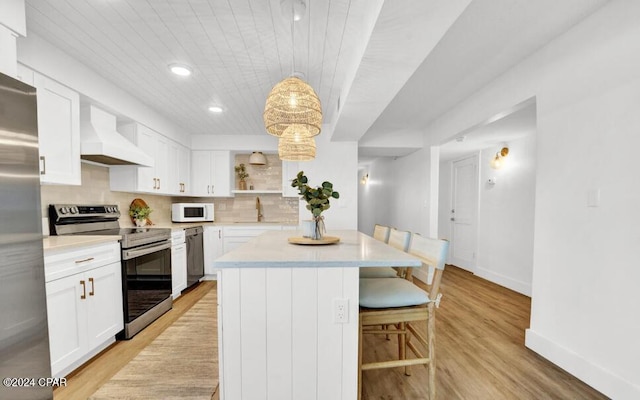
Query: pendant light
x,y
293,101
257,158
295,147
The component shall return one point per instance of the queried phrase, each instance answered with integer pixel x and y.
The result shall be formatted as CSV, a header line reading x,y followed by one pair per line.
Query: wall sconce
x,y
365,179
497,162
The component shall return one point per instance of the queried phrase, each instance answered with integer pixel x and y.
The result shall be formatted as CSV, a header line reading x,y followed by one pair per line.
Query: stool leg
x,y
360,337
431,339
402,344
407,368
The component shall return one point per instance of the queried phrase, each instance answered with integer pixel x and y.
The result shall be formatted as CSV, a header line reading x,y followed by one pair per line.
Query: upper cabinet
x,y
163,177
58,129
211,173
289,171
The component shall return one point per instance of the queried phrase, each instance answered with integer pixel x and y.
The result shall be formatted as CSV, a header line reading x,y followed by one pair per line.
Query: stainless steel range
x,y
146,259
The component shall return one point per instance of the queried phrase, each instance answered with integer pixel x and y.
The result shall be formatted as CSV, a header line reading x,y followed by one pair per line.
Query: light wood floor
x,y
480,351
91,376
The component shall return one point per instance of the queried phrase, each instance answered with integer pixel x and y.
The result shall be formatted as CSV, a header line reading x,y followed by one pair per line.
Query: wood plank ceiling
x,y
238,49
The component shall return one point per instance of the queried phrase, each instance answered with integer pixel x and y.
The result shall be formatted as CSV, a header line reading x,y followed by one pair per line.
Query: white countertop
x,y
355,249
71,241
183,225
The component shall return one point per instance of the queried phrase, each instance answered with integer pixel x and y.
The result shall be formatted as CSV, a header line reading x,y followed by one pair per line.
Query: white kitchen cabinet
x,y
213,248
289,171
84,304
183,170
211,173
58,130
235,236
178,263
156,179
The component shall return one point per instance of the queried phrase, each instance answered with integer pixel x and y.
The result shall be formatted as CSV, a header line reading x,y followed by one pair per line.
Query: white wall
x,y
505,217
398,195
585,274
12,25
374,198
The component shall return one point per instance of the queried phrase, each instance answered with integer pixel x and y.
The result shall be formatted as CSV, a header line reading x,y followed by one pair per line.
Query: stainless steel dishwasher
x,y
195,254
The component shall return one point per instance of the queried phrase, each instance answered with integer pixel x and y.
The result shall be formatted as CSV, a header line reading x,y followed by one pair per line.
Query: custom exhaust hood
x,y
101,143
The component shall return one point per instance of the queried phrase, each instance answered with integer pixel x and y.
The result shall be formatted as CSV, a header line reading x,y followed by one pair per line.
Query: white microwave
x,y
192,212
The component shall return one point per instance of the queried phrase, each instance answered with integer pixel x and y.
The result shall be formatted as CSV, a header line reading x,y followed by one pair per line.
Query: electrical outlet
x,y
341,311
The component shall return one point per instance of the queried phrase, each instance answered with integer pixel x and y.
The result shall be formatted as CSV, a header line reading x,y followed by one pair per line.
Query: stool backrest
x,y
432,252
399,239
381,233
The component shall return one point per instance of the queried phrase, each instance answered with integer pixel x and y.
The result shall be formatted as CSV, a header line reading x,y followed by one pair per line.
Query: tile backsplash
x,y
241,208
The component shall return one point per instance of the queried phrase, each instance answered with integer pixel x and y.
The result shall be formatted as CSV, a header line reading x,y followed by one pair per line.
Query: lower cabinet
x,y
178,269
213,248
84,312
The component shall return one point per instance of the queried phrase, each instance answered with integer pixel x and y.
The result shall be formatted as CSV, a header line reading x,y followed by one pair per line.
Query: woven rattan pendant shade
x,y
292,101
295,147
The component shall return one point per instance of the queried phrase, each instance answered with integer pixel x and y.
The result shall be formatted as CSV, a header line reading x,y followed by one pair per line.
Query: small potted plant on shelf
x,y
242,175
139,214
317,201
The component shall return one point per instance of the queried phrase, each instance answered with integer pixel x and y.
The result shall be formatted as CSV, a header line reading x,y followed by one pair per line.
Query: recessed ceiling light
x,y
180,69
215,109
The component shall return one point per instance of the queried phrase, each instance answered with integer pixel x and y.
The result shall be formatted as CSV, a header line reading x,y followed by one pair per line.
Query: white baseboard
x,y
424,275
593,375
515,285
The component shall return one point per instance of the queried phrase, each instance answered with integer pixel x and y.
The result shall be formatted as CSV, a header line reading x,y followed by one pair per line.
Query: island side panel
x,y
351,291
253,332
230,349
329,334
304,343
279,334
283,335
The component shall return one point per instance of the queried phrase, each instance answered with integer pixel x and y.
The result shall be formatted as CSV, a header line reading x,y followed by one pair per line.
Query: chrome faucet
x,y
258,208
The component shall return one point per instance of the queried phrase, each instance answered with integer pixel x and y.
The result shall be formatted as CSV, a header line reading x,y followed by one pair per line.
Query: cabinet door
x,y
213,248
201,173
289,171
178,269
104,300
67,318
221,164
162,163
59,132
172,186
146,140
184,170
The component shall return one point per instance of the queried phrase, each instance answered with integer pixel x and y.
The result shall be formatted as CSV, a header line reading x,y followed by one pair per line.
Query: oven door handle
x,y
144,250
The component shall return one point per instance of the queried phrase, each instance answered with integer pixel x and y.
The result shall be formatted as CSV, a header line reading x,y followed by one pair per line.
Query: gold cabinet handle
x,y
85,260
84,290
158,183
93,289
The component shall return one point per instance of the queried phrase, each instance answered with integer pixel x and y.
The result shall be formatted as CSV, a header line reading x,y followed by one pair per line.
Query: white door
x,y
464,213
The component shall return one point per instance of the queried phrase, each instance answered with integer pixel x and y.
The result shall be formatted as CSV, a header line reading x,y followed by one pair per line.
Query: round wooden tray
x,y
304,240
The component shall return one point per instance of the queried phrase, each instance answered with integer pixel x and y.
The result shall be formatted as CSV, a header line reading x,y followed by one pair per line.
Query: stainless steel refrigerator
x,y
24,338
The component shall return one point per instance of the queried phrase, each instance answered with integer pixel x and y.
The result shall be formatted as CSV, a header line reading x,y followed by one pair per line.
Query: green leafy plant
x,y
137,212
241,171
317,198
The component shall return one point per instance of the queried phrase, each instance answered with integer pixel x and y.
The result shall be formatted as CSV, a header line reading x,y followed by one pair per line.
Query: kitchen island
x,y
288,315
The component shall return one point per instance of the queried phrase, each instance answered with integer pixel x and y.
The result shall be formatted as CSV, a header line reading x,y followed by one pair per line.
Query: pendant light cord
x,y
293,47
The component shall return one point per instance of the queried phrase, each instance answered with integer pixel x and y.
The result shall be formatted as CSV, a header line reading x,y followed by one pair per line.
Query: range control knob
x,y
115,209
74,210
64,210
108,208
